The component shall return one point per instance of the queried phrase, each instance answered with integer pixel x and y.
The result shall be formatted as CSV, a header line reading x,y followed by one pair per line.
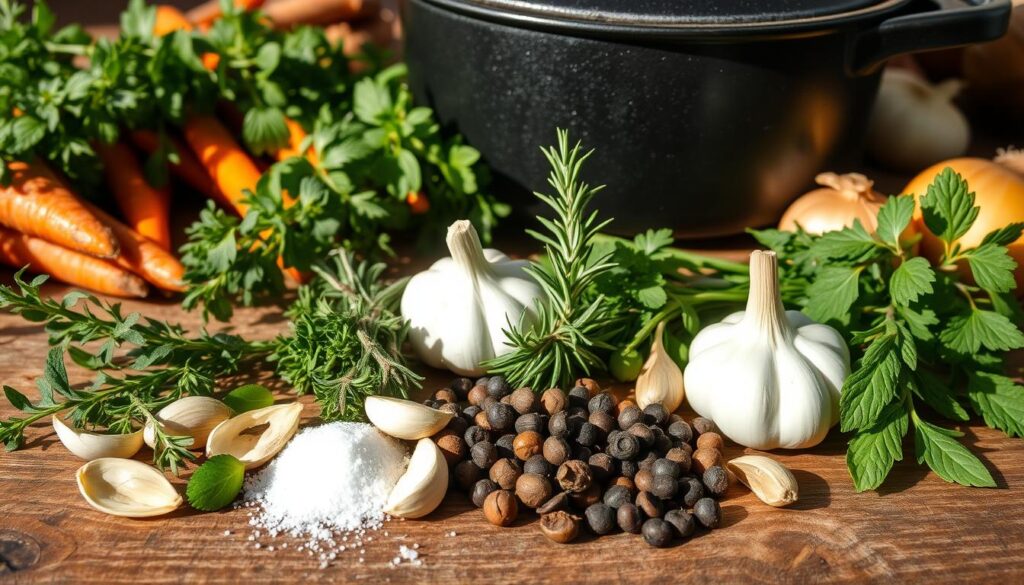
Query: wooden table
x,y
917,528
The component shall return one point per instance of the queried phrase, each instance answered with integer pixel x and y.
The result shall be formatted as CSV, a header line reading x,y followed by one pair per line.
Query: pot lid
x,y
624,14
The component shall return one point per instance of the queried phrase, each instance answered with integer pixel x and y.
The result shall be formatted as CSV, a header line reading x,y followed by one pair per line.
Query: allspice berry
x,y
588,497
602,467
446,395
452,446
501,416
483,454
560,526
602,402
573,476
629,518
461,386
591,385
527,444
710,440
482,421
500,508
477,395
665,486
533,490
655,414
623,405
626,483
556,450
657,532
702,425
523,400
466,475
708,512
537,464
644,479
498,387
559,501
705,458
692,490
681,431
474,435
650,504
600,518
553,401
643,433
603,421
505,472
623,446
682,521
716,480
681,457
481,490
578,398
531,422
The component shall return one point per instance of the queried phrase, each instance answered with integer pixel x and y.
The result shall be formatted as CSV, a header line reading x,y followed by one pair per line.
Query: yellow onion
x,y
842,199
995,71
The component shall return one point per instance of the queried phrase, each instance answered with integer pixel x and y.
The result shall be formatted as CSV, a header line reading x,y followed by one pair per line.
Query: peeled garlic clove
x,y
90,446
125,487
405,419
661,380
422,487
770,480
255,437
191,416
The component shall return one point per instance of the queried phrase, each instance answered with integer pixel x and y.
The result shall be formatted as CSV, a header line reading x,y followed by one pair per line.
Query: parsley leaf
x,y
832,294
872,452
872,385
992,267
980,328
948,207
851,243
893,218
947,457
912,279
999,400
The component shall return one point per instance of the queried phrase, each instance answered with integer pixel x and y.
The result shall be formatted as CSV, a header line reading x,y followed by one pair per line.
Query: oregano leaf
x,y
216,483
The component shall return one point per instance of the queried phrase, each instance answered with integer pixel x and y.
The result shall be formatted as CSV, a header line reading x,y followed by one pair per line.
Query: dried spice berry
x,y
526,445
650,504
582,453
466,475
446,396
537,464
626,483
579,397
602,467
708,512
558,425
477,394
647,461
560,526
644,479
643,433
504,445
665,466
657,532
559,501
603,421
501,508
691,490
600,518
587,497
624,447
629,416
533,490
602,402
702,425
531,422
474,435
481,490
556,450
716,481
431,403
461,386
482,381
574,476
705,458
498,387
628,468
662,442
457,425
481,421
452,446
501,416
629,518
617,495
523,400
655,414
664,486
588,435
505,472
553,401
682,522
681,457
487,402
590,384
710,440
681,431
470,412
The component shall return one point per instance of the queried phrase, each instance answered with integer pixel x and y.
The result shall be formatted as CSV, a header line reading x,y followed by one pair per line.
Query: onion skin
x,y
999,192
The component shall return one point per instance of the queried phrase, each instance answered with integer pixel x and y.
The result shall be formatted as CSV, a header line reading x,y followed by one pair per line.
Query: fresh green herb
x,y
216,483
248,397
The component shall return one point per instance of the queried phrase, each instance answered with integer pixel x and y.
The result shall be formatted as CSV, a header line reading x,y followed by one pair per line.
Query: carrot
x,y
37,203
227,164
289,13
169,19
296,135
146,208
417,202
188,167
204,15
75,268
144,257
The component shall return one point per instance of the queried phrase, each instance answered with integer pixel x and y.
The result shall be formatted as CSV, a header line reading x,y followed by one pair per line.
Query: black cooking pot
x,y
707,116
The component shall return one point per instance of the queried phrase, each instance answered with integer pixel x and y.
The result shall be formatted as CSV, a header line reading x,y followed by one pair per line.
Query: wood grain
x,y
917,528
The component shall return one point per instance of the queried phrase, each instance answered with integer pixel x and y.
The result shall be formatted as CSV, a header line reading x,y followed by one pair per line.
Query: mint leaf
x,y
18,400
919,323
992,267
871,386
871,453
851,243
967,334
911,280
937,394
1005,235
248,397
999,400
893,218
948,207
833,293
216,483
947,457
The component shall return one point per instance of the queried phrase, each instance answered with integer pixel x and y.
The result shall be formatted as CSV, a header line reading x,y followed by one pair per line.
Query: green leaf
x,y
850,243
267,58
18,400
871,386
773,239
937,394
948,207
216,483
833,293
26,132
992,267
911,280
947,457
371,101
893,218
138,20
999,400
919,322
967,334
652,297
249,397
264,129
1005,235
55,374
872,452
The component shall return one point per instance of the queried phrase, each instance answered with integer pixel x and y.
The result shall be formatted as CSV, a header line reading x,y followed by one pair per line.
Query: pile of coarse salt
x,y
329,484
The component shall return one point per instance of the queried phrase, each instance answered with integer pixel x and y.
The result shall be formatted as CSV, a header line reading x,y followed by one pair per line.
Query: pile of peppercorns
x,y
581,459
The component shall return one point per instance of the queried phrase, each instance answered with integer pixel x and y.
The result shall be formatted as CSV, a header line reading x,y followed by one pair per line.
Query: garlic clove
x,y
256,436
405,419
89,446
661,380
191,416
125,487
422,487
772,482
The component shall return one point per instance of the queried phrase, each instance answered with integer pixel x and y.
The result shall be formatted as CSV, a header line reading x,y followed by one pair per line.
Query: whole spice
x,y
657,532
477,394
710,440
681,456
600,518
603,402
716,481
644,433
629,518
446,395
523,400
644,479
553,401
770,480
481,490
703,425
560,526
533,490
573,476
537,464
500,508
708,512
602,467
559,501
650,504
466,475
498,387
624,447
588,435
665,486
531,422
703,459
484,454
681,431
590,384
501,416
668,467
655,414
605,422
579,397
527,444
660,380
474,435
682,521
556,450
505,472
461,386
588,497
452,446
629,416
616,496
692,490
841,200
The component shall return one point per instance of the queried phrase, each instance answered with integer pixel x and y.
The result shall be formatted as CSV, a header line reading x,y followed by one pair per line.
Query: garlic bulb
x,y
125,487
458,309
661,380
768,378
842,199
191,416
90,446
915,124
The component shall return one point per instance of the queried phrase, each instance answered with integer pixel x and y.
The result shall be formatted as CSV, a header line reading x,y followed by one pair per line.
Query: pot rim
x,y
709,31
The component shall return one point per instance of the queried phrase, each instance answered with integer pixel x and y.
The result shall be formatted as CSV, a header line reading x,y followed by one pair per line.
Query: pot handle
x,y
948,23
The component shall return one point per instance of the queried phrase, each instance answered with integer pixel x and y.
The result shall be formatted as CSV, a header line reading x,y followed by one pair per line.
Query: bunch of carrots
x,y
45,225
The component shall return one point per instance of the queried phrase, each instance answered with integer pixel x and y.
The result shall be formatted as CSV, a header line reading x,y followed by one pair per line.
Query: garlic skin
x,y
91,446
458,309
191,416
768,378
660,381
256,436
125,487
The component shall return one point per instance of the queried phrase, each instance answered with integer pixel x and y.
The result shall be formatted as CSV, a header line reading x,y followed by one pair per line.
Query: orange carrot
x,y
37,203
289,13
146,208
144,257
75,268
169,19
296,135
188,168
230,167
204,15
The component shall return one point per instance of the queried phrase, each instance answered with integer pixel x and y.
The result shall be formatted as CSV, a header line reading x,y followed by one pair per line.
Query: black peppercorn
x,y
579,397
461,386
574,476
588,435
457,425
558,424
501,416
530,422
708,512
617,495
667,467
603,421
692,490
466,475
600,518
657,532
582,453
664,486
602,466
647,461
556,450
650,504
629,518
655,414
553,401
630,416
681,431
643,433
602,402
625,447
505,445
481,490
702,425
559,501
498,387
523,400
483,454
681,456
537,464
716,481
682,521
